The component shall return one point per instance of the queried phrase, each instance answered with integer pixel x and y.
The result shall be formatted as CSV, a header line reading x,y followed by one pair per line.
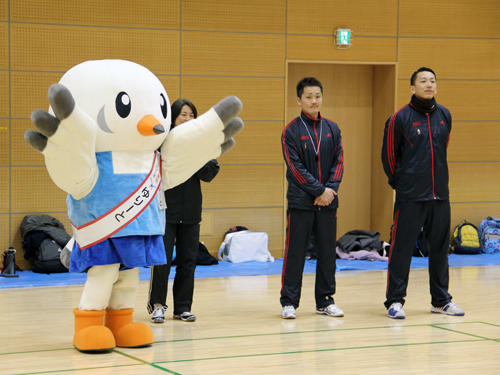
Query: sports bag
x,y
489,235
466,239
245,246
47,258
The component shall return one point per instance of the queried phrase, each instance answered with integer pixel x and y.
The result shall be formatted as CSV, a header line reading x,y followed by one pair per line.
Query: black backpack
x,y
47,257
204,257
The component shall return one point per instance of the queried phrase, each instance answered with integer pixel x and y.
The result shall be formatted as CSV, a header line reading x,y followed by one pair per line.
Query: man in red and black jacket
x,y
414,157
312,148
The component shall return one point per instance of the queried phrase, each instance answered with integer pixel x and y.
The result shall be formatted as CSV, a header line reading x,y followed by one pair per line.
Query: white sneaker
x,y
186,316
449,309
288,312
158,315
330,310
396,311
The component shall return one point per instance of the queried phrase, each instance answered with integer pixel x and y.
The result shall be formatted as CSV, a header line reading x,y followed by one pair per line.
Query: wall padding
x,y
258,143
473,212
323,48
34,191
4,232
269,220
467,100
451,58
58,48
263,98
29,92
4,10
474,182
233,54
22,153
4,45
245,186
450,18
118,13
4,142
256,16
483,147
4,189
364,17
4,94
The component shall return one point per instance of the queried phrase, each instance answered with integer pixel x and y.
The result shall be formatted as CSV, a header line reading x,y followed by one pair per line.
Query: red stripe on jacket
x,y
390,142
294,170
340,165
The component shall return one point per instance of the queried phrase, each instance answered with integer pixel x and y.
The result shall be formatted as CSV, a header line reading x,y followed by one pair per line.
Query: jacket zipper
x,y
319,162
432,154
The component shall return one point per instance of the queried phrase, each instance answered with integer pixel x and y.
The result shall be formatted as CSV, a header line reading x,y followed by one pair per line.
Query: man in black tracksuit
x,y
312,148
414,157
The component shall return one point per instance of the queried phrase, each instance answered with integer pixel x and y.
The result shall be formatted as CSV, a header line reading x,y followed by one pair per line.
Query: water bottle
x,y
9,263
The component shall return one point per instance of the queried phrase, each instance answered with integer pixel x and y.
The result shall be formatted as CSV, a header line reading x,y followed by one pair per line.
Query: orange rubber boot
x,y
128,334
90,333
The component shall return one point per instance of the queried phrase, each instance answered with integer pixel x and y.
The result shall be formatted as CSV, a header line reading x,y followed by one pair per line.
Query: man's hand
x,y
326,198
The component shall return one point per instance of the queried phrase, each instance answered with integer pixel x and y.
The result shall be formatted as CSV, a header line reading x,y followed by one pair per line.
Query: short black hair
x,y
422,69
177,107
307,82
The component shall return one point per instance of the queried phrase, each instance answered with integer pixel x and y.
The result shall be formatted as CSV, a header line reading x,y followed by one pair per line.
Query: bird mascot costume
x,y
106,120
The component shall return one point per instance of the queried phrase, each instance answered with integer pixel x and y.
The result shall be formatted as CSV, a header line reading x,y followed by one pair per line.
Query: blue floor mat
x,y
225,269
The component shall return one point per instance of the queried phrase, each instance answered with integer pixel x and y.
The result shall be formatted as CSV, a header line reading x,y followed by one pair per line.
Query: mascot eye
x,y
163,106
123,105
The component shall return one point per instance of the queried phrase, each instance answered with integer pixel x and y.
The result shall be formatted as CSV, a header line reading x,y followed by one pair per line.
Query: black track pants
x,y
186,238
409,218
323,223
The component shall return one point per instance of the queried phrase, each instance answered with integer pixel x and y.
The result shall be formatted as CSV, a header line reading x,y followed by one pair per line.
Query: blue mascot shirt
x,y
138,244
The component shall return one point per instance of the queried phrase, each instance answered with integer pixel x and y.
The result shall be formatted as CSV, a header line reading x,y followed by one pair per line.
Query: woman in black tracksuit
x,y
183,212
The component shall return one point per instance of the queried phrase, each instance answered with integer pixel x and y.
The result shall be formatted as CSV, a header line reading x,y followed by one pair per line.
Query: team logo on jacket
x,y
442,122
417,123
304,137
329,135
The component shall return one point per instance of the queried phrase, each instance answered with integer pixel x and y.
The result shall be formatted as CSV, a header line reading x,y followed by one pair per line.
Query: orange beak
x,y
149,125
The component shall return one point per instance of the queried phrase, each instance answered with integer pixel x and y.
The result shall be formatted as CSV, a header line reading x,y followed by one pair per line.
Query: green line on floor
x,y
321,350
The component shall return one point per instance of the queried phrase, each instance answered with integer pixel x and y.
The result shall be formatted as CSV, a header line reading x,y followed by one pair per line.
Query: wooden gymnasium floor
x,y
239,330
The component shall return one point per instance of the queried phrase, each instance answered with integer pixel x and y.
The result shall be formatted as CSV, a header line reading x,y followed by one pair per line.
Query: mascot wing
x,y
190,146
67,140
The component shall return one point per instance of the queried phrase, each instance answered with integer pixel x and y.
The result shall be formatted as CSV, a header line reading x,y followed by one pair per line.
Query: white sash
x,y
124,213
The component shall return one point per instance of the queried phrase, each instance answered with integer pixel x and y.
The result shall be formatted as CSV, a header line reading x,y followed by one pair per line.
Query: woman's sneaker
x,y
158,315
330,310
186,316
449,309
396,311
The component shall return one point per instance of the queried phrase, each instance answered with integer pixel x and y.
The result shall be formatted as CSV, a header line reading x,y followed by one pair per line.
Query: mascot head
x,y
127,102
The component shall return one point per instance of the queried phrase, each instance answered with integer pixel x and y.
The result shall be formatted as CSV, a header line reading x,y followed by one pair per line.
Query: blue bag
x,y
489,235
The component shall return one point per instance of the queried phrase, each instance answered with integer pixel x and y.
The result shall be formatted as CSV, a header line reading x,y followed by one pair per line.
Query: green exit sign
x,y
343,38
